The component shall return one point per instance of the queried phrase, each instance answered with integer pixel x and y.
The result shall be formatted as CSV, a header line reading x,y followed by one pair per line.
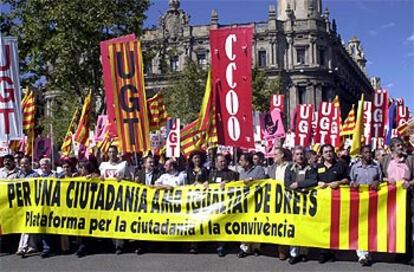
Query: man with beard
x,y
398,166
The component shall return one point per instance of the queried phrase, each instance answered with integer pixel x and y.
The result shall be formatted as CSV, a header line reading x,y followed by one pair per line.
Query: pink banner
x,y
271,125
231,59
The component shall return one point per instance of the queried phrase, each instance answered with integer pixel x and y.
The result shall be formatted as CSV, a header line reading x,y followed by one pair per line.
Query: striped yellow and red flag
x,y
128,95
66,147
359,221
157,112
82,132
190,138
29,111
404,128
103,146
349,123
203,130
28,147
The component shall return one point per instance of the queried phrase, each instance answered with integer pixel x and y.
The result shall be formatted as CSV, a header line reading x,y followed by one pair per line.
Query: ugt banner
x,y
11,123
231,59
124,89
264,212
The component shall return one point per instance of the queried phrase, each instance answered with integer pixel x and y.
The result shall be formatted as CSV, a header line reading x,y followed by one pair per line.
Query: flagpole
x,y
52,142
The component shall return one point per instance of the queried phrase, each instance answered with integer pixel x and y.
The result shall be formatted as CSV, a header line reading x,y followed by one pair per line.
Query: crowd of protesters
x,y
299,168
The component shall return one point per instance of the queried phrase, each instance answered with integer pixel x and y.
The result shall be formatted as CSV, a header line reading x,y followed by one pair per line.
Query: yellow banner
x,y
263,212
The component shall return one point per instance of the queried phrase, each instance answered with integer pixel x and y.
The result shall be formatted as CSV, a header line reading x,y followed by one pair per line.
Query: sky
x,y
385,28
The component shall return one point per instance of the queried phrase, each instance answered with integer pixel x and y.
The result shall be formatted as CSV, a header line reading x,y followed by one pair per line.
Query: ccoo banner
x,y
11,123
264,212
124,89
231,58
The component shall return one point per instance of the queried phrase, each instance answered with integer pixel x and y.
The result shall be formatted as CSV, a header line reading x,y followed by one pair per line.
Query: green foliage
x,y
263,88
184,96
59,43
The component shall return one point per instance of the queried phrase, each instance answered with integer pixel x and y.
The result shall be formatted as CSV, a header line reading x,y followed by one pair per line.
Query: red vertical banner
x,y
231,59
277,101
303,128
367,122
126,99
326,115
379,117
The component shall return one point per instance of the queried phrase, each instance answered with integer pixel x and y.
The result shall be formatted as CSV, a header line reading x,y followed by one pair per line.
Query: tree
x,y
185,94
263,88
59,43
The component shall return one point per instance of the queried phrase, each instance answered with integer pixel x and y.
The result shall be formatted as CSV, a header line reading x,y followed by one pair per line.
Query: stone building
x,y
298,42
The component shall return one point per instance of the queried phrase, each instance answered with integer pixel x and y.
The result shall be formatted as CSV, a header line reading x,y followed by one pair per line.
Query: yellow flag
x,y
359,129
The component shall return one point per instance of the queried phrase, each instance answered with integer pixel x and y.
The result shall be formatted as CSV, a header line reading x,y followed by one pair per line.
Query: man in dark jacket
x,y
221,174
149,174
298,176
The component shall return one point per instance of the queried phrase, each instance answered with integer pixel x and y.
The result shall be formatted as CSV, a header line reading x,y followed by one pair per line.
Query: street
x,y
180,260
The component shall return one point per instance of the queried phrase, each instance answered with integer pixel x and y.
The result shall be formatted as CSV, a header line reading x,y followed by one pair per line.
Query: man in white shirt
x,y
172,177
114,168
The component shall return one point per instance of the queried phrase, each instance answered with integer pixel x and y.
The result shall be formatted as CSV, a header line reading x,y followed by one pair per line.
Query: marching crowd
x,y
299,168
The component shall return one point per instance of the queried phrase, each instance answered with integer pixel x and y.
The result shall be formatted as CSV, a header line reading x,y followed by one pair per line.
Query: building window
x,y
174,63
302,94
300,56
322,57
262,58
202,60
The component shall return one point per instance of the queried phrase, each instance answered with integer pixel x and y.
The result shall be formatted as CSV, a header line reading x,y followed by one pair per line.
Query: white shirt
x,y
280,171
113,170
173,180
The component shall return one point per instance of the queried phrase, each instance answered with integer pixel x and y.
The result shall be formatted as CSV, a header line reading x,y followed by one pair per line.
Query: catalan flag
x,y
157,112
359,129
29,112
67,142
103,146
349,123
360,221
82,132
404,128
203,130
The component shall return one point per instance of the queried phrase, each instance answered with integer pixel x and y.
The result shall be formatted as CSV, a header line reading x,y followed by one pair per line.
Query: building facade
x,y
299,43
